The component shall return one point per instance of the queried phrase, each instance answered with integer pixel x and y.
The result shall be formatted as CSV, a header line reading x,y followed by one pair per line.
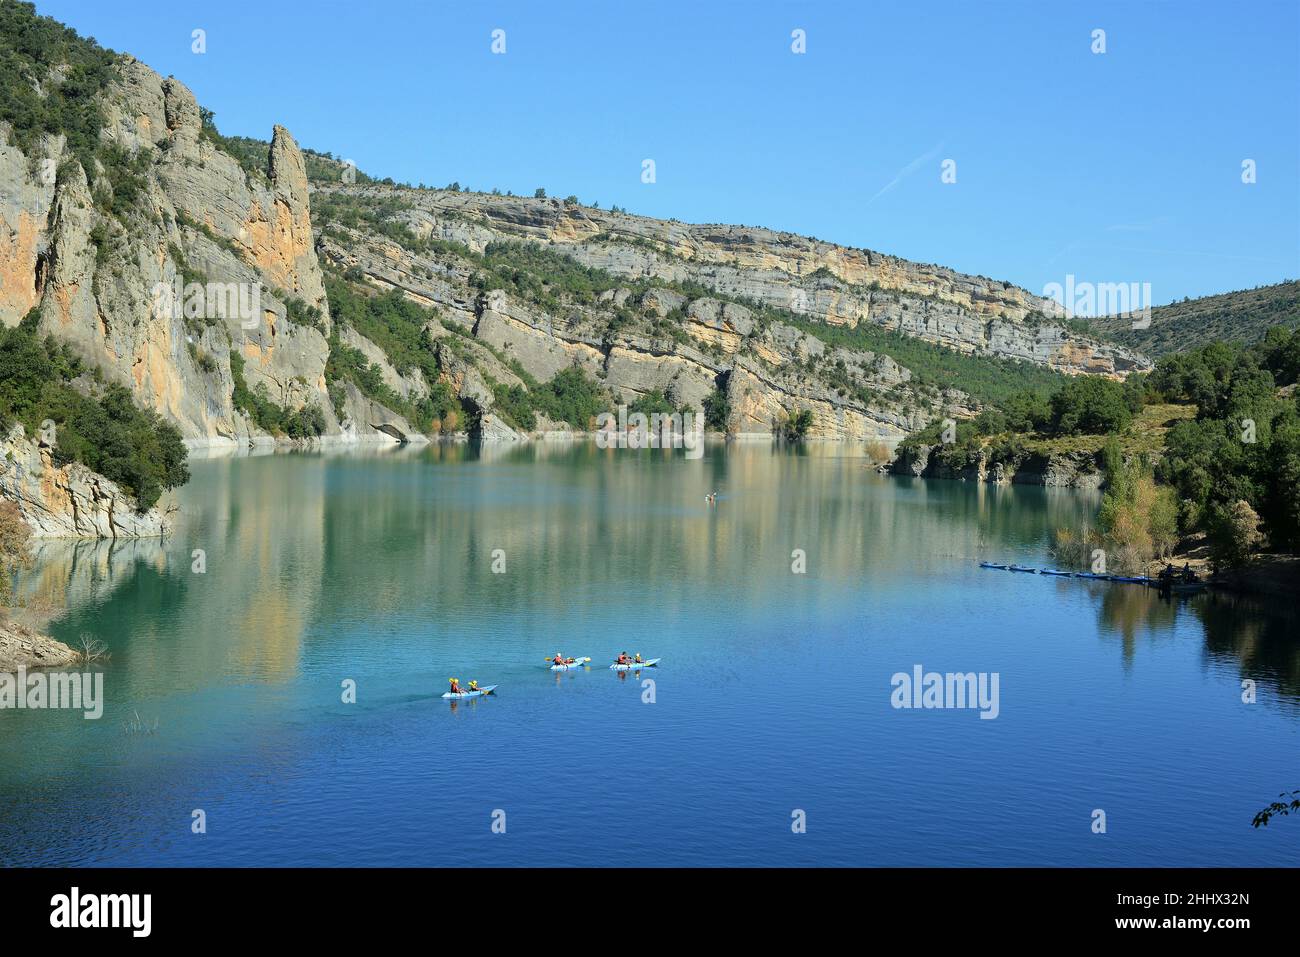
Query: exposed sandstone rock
x,y
365,419
834,284
1066,470
20,647
69,501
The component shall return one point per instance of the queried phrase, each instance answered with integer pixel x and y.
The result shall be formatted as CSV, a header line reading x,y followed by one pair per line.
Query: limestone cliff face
x,y
93,263
765,370
69,501
1075,469
820,280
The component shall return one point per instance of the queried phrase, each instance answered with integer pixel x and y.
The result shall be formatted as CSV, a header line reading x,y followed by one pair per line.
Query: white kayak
x,y
572,666
488,689
648,663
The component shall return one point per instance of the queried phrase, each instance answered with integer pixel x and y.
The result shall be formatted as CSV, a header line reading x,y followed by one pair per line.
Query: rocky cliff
x,y
1073,469
20,647
99,252
70,501
819,280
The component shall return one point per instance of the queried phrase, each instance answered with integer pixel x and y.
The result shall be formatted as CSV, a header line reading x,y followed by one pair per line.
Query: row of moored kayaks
x,y
1124,579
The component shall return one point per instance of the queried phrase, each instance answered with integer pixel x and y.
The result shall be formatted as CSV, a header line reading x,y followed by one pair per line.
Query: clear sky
x,y
1122,166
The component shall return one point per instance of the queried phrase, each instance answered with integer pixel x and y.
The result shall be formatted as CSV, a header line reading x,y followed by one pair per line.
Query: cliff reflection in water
x,y
173,619
303,548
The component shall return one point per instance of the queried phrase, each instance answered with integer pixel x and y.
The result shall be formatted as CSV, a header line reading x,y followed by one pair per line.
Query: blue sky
x,y
1124,166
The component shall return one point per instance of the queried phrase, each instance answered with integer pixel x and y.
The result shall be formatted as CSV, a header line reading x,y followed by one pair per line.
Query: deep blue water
x,y
774,692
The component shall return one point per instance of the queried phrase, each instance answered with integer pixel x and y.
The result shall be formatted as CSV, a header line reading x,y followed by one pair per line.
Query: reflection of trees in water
x,y
1128,609
1238,630
1260,639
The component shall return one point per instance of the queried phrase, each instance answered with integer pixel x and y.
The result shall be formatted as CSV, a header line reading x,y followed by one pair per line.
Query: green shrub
x,y
794,427
307,422
1244,445
717,410
1091,405
31,46
107,433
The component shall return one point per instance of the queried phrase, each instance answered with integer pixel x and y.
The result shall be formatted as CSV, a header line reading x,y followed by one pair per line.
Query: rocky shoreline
x,y
70,501
20,647
1078,469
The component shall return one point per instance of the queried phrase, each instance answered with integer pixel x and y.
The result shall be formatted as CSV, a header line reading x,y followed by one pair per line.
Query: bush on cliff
x,y
15,547
717,410
102,428
794,427
305,423
34,98
570,396
399,327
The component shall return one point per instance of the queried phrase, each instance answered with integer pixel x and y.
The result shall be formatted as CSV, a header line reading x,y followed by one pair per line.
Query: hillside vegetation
x,y
96,425
1244,316
1207,444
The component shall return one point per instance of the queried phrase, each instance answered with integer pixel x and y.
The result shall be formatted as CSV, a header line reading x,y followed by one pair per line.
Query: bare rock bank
x,y
20,647
69,501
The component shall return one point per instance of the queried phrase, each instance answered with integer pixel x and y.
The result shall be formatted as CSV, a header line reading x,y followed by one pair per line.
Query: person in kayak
x,y
455,685
623,659
638,658
559,659
473,686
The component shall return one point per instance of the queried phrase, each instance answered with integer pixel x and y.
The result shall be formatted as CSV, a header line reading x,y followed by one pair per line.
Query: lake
x,y
772,706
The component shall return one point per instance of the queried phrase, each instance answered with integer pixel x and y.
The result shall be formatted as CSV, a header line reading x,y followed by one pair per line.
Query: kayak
x,y
1130,579
992,565
1091,575
1053,571
575,664
1022,568
649,663
471,694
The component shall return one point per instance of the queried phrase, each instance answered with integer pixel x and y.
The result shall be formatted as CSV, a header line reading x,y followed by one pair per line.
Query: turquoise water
x,y
773,696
